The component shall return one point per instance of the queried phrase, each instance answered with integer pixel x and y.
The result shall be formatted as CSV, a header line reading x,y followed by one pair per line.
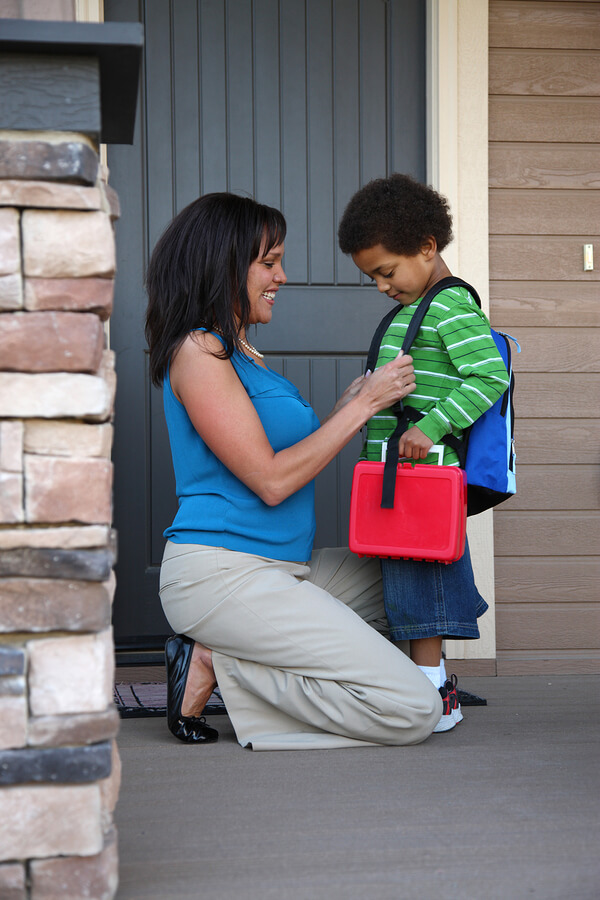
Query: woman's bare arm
x,y
225,418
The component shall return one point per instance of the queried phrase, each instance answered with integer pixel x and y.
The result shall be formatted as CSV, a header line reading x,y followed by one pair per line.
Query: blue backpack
x,y
486,450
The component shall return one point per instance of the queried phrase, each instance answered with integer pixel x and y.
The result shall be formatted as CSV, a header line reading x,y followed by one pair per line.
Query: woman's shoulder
x,y
199,355
197,347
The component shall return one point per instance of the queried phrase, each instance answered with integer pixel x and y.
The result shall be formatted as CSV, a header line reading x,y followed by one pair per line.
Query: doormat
x,y
466,698
144,699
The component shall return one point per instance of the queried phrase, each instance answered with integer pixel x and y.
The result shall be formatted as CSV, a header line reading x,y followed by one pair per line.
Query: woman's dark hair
x,y
198,271
397,212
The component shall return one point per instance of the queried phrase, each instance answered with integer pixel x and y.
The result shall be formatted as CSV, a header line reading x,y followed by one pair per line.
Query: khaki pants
x,y
297,663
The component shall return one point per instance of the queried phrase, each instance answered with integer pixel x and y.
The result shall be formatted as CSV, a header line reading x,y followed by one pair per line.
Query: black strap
x,y
378,337
406,415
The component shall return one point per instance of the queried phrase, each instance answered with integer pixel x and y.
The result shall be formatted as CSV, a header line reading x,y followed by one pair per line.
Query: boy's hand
x,y
414,444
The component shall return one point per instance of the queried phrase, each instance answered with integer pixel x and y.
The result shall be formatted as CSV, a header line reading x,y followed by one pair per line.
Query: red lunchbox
x,y
429,518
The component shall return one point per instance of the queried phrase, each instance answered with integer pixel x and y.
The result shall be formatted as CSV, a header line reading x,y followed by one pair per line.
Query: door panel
x,y
295,102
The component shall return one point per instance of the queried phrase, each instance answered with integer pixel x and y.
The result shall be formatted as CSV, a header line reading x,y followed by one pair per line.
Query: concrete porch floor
x,y
504,807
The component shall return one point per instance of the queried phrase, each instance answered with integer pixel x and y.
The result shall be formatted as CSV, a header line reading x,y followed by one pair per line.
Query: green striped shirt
x,y
459,371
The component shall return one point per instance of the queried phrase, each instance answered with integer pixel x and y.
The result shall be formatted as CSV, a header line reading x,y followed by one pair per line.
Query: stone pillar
x,y
66,86
59,766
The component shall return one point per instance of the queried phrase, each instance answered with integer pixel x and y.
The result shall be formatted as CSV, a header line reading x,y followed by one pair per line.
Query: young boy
x,y
395,229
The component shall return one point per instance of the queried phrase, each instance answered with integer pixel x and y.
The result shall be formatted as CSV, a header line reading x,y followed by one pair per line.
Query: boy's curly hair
x,y
397,212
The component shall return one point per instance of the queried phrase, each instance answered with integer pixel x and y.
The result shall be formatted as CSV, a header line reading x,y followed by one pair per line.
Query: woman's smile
x,y
265,277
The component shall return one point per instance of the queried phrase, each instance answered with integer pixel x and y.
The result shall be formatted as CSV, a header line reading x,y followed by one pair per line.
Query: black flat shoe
x,y
189,729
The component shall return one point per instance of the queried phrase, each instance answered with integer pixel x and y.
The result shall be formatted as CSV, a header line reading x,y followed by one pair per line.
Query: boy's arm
x,y
465,334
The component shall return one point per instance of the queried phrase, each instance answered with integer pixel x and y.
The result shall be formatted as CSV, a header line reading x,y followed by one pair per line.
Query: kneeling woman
x,y
286,633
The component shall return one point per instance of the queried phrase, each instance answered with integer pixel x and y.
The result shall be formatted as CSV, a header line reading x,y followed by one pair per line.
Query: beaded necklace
x,y
243,342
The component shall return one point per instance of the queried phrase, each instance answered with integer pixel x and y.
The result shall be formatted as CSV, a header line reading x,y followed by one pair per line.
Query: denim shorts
x,y
426,599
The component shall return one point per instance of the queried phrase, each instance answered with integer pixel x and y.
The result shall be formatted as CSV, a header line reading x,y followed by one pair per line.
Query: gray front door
x,y
297,103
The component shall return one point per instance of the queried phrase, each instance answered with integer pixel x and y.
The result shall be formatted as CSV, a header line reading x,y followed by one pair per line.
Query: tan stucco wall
x,y
458,168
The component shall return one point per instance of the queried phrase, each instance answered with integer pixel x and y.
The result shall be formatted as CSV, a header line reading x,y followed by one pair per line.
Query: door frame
x,y
457,166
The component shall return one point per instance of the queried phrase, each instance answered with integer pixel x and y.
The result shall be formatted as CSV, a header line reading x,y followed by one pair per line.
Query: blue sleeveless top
x,y
215,507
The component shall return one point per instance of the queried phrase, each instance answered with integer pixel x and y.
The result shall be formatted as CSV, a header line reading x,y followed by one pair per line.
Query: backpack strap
x,y
377,339
406,415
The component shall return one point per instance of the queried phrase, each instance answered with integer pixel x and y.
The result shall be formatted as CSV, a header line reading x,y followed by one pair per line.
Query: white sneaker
x,y
447,720
453,698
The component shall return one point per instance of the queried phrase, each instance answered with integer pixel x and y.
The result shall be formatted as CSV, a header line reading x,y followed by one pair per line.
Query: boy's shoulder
x,y
452,301
455,295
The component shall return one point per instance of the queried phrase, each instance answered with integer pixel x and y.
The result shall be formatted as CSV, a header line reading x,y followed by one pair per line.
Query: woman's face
x,y
265,277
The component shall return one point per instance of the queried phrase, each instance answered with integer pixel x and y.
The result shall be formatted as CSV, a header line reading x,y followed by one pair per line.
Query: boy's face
x,y
403,278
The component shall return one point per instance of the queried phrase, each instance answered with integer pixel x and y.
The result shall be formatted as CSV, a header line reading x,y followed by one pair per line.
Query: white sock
x,y
434,674
443,671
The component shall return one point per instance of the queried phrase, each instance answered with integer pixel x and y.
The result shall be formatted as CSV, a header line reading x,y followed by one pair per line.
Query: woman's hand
x,y
391,382
401,377
414,444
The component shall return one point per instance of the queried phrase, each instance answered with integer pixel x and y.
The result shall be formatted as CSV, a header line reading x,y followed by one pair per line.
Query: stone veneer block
x,y
108,373
71,674
11,446
78,294
12,686
64,244
68,490
38,821
111,202
67,538
11,498
13,722
10,253
33,562
54,395
11,292
110,787
12,660
75,877
12,882
51,342
46,604
84,728
66,161
56,765
48,195
50,437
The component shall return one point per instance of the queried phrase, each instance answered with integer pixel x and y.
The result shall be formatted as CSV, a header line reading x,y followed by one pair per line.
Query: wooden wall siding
x,y
524,581
555,119
544,131
546,533
532,24
542,166
538,303
519,211
545,73
542,258
546,442
555,397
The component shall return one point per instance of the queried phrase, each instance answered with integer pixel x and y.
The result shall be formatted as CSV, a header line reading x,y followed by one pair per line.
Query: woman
x,y
284,635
